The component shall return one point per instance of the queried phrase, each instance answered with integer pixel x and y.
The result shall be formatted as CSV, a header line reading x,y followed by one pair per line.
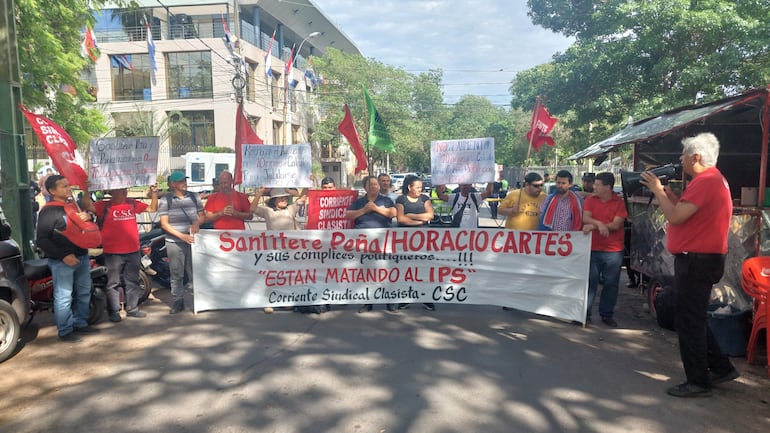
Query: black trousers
x,y
694,274
122,272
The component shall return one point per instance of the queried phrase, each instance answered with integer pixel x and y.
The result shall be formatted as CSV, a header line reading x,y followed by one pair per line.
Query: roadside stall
x,y
741,125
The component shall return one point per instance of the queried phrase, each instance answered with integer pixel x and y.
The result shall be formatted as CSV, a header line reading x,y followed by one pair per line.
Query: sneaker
x,y
688,390
403,306
136,313
70,338
609,321
716,379
429,306
86,330
114,316
268,310
364,308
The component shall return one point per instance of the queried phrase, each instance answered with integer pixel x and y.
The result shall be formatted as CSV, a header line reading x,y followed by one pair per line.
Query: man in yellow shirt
x,y
522,206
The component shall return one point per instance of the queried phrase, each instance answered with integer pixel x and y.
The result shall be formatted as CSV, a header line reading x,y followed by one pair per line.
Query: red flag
x,y
59,146
348,129
88,47
542,124
244,134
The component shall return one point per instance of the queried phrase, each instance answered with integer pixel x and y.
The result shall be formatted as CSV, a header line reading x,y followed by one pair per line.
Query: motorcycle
x,y
40,284
154,261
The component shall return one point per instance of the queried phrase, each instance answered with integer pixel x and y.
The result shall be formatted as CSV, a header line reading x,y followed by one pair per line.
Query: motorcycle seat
x,y
36,269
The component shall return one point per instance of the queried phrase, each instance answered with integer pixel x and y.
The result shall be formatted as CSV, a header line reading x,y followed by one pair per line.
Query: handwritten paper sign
x,y
470,160
122,162
277,166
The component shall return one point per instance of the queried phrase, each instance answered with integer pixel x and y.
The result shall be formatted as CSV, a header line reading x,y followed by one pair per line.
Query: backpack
x,y
84,234
170,199
458,216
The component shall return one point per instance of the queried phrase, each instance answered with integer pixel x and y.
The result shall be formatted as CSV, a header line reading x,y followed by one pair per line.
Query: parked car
x,y
358,186
397,179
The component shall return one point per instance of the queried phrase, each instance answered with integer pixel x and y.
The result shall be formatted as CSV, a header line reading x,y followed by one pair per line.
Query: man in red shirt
x,y
603,214
120,246
227,208
698,225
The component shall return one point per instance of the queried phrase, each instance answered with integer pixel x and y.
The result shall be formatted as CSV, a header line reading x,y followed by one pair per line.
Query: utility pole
x,y
14,179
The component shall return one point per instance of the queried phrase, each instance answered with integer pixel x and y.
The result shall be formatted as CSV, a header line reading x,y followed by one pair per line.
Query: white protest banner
x,y
277,166
540,272
122,162
326,209
462,161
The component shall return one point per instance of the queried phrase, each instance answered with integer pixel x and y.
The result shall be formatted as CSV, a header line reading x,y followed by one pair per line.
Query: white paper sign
x,y
540,272
470,160
277,166
123,162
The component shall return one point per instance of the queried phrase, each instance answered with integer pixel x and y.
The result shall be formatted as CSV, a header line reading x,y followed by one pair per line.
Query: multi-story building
x,y
199,76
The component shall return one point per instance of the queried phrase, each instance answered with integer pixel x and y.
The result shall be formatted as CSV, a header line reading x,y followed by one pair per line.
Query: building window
x,y
275,90
199,134
189,75
277,132
131,77
249,92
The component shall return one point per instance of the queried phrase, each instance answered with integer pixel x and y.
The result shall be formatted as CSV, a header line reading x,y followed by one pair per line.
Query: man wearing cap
x,y
181,214
522,206
227,209
120,245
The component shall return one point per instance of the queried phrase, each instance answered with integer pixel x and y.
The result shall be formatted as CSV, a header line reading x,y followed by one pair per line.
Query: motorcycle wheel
x,y
145,286
98,306
10,330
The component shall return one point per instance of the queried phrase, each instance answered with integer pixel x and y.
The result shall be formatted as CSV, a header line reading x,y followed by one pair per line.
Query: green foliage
x,y
634,59
49,38
215,149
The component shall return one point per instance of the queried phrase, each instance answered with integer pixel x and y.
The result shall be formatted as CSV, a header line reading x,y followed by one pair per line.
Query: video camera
x,y
631,180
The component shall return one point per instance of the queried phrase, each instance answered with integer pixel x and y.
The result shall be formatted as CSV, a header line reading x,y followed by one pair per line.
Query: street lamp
x,y
310,36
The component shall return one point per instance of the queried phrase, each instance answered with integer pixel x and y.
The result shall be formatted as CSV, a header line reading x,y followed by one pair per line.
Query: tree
x,y
634,59
49,38
405,102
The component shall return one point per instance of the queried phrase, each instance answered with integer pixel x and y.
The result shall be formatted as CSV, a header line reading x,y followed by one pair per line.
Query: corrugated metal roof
x,y
665,123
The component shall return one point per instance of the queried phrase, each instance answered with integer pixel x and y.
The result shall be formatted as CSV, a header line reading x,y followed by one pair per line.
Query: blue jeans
x,y
180,269
71,294
607,264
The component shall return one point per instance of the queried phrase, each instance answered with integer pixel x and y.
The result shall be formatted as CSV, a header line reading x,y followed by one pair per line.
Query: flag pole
x,y
532,131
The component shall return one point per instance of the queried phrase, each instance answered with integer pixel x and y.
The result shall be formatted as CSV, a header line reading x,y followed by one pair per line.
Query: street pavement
x,y
461,368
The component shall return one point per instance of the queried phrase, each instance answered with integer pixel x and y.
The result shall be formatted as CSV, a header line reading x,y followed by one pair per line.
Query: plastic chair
x,y
755,278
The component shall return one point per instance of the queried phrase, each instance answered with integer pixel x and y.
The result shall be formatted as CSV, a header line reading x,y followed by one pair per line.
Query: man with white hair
x,y
698,224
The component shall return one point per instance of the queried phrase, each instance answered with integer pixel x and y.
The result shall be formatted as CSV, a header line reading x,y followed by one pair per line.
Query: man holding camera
x,y
698,224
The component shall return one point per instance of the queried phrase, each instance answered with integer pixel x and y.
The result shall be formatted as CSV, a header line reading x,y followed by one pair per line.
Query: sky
x,y
479,44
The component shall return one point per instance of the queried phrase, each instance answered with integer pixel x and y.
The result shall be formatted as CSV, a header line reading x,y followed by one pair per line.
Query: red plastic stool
x,y
755,277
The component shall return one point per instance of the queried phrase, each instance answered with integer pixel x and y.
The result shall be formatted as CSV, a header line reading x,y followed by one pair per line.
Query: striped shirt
x,y
182,214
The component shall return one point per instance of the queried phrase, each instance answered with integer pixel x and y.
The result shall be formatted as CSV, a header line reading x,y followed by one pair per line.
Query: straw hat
x,y
278,192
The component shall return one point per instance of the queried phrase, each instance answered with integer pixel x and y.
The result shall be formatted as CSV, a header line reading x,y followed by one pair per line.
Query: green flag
x,y
378,134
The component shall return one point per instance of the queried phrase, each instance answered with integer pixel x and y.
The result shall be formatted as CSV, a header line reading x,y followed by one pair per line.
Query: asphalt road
x,y
457,369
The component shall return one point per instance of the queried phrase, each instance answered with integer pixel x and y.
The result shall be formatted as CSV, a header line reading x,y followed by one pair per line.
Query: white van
x,y
397,180
203,167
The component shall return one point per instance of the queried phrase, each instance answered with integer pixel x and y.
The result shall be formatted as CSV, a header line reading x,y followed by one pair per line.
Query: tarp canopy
x,y
741,109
